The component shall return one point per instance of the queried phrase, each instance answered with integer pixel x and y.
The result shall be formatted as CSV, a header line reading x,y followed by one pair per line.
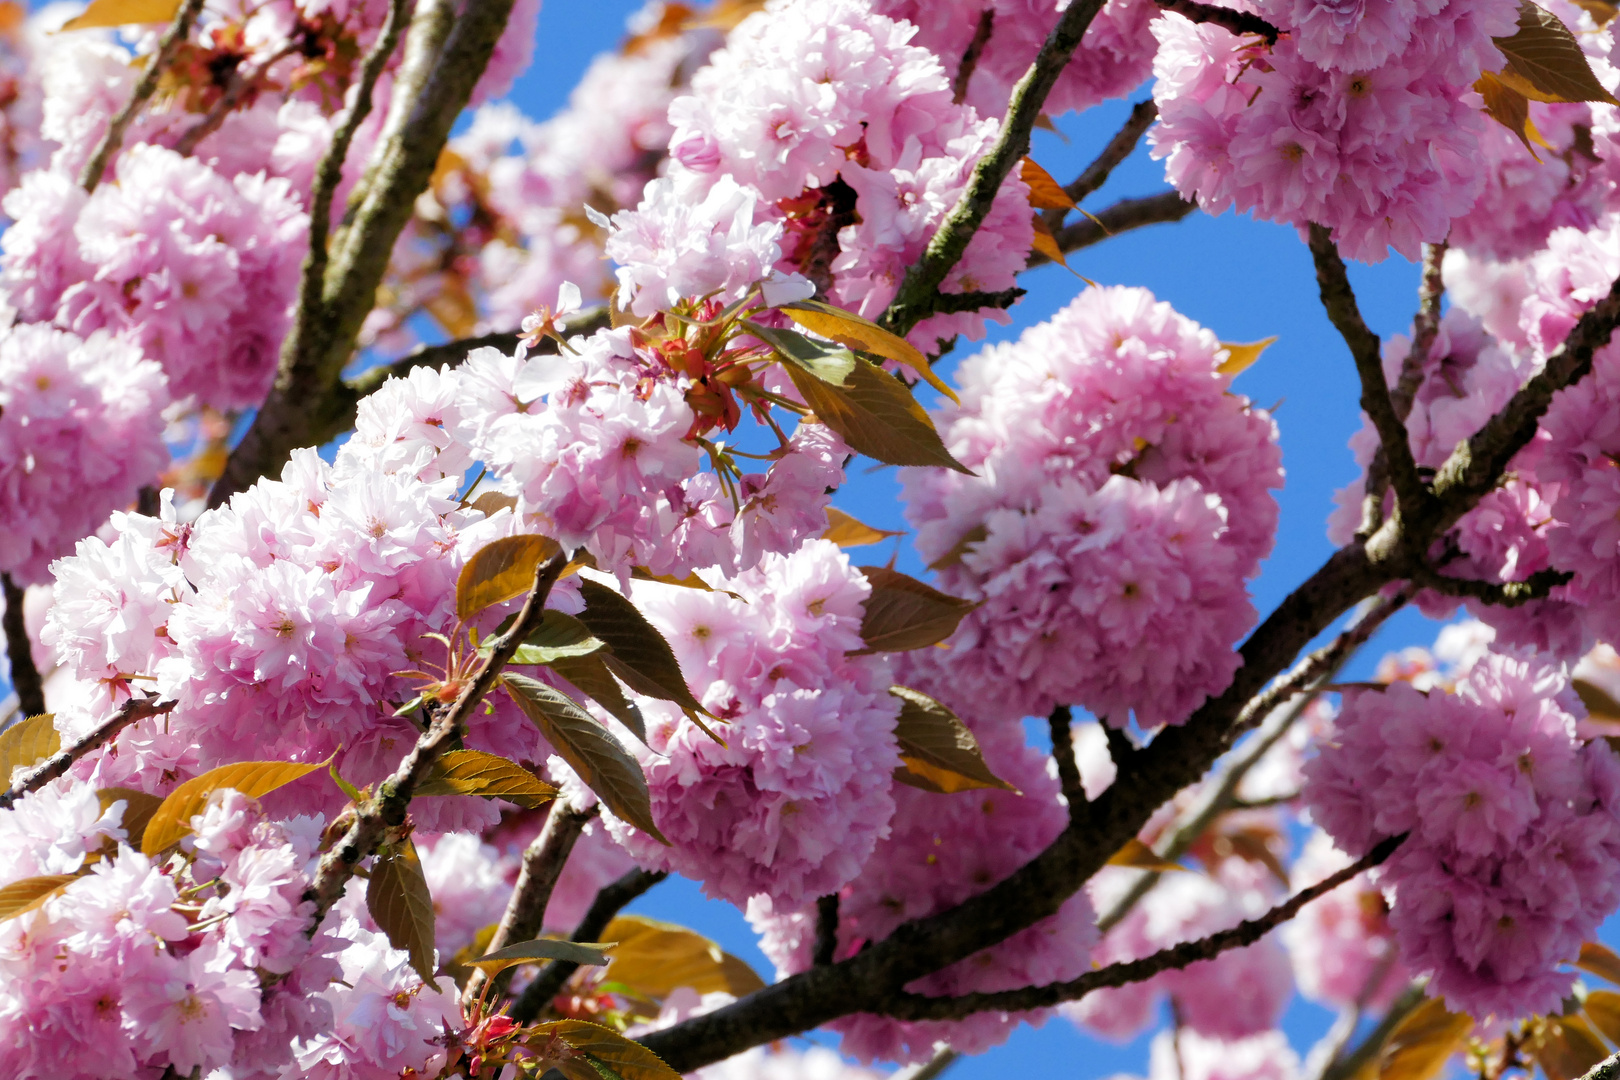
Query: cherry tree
x,y
418,546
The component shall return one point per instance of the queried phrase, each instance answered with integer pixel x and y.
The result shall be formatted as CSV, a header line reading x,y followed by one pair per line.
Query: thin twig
x,y
1297,689
943,1059
543,862
911,303
59,763
1352,1064
918,1007
1425,328
237,89
387,808
145,87
970,56
25,679
610,900
1339,300
1537,586
1060,726
1095,175
1120,217
1238,22
1607,1069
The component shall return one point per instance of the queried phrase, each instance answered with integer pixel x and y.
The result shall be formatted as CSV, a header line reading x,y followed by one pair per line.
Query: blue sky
x,y
1245,280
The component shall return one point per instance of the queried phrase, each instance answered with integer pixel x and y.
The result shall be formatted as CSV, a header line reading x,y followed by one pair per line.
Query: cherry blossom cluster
x,y
1122,497
1511,854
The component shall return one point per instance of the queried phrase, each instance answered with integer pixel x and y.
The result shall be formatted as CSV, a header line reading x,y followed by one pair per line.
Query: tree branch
x,y
445,53
238,88
1123,216
1238,22
922,281
387,808
826,943
1607,1069
1143,113
970,56
1339,300
1060,725
59,763
1425,328
1501,593
543,862
919,1007
145,87
25,679
608,903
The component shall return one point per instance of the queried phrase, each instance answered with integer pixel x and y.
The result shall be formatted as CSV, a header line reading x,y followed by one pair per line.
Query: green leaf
x,y
621,1057
473,772
354,794
856,332
590,675
172,819
542,949
1545,62
848,532
500,570
829,363
939,752
27,743
397,897
558,636
877,416
639,654
138,810
21,897
589,748
902,613
653,958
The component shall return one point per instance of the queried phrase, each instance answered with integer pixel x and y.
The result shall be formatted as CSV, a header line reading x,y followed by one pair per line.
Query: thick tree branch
x,y
445,53
145,87
911,302
543,862
25,679
1238,22
608,903
59,763
1120,217
386,809
1366,349
1095,175
918,1007
826,943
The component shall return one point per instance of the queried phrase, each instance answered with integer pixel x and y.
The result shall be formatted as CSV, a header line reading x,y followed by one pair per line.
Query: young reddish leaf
x,y
491,503
500,570
1545,62
1602,1008
138,810
473,772
621,1057
1597,700
639,654
103,13
21,897
653,958
1599,960
1602,11
690,581
171,821
829,363
27,743
1420,1045
1046,244
939,752
858,333
960,548
592,953
877,416
589,748
902,613
590,675
1239,357
1138,856
1508,107
397,897
1045,193
847,531
1567,1048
